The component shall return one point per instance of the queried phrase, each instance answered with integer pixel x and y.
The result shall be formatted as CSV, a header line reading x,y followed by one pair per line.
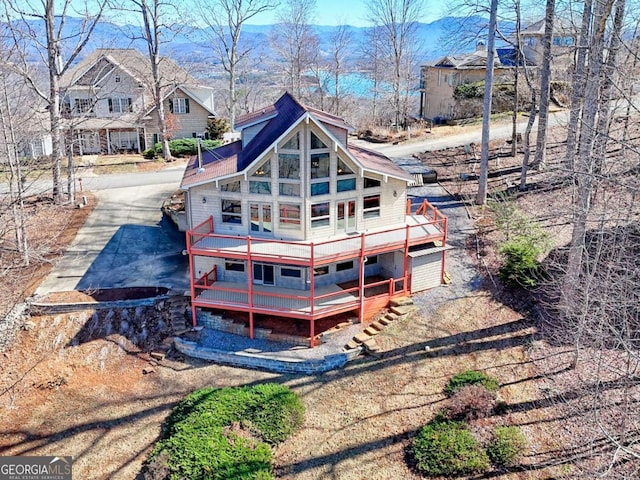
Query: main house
x,y
109,107
293,222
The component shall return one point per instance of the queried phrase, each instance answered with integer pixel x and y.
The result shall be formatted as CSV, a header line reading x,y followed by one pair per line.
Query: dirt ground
x,y
104,401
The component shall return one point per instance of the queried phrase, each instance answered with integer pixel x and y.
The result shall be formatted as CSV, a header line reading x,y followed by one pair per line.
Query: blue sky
x,y
351,12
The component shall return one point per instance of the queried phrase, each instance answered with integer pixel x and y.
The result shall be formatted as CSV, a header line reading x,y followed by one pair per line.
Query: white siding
x,y
426,271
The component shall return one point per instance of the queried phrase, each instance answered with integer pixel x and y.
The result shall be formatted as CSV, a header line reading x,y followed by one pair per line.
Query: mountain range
x,y
192,45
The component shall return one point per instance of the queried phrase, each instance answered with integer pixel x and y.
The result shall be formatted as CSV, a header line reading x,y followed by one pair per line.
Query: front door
x,y
261,218
345,216
263,274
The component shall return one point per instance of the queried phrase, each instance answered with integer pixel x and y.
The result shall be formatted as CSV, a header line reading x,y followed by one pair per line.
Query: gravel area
x,y
229,342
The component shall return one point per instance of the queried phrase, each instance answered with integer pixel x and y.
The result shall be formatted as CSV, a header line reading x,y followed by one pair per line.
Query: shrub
x,y
220,433
469,90
149,153
217,127
471,402
446,447
181,147
507,447
521,266
470,377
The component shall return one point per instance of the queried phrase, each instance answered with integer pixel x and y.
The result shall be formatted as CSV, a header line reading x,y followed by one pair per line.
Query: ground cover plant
x,y
225,433
470,377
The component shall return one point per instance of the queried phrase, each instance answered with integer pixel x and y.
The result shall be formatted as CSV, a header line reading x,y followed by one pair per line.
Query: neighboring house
x,y
109,104
439,81
291,221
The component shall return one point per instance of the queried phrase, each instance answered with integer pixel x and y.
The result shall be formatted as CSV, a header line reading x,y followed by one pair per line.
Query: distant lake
x,y
355,83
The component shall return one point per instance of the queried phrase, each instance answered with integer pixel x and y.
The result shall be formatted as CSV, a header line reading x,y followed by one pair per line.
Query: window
x,y
260,187
290,189
179,105
289,215
291,272
263,170
346,185
231,266
320,214
316,143
372,260
567,41
320,271
557,41
230,187
371,183
341,267
371,206
117,78
293,143
231,211
120,105
83,105
343,168
289,165
320,188
320,165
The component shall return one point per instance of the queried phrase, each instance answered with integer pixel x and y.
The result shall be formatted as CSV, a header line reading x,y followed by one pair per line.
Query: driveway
x,y
124,243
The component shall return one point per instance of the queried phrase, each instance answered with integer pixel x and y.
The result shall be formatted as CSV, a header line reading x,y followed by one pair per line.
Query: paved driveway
x,y
124,243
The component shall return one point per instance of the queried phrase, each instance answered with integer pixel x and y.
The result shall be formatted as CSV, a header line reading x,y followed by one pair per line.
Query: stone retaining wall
x,y
262,362
38,308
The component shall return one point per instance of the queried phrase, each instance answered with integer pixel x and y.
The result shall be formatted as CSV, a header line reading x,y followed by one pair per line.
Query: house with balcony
x,y
109,108
292,222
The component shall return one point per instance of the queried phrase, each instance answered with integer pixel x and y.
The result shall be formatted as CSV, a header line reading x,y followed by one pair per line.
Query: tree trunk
x,y
545,84
481,198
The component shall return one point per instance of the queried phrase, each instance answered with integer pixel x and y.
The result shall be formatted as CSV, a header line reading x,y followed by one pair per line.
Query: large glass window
x,y
290,189
83,105
291,272
371,206
230,187
320,214
179,105
263,170
120,105
320,163
316,143
346,185
289,165
343,168
293,143
234,266
371,183
231,211
259,187
319,188
289,215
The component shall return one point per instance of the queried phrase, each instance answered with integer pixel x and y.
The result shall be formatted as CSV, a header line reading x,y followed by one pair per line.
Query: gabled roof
x,y
280,118
476,59
130,61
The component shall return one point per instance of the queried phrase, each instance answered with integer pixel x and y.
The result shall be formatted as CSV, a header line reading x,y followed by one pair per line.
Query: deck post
x,y
250,286
444,252
194,320
312,293
361,276
406,260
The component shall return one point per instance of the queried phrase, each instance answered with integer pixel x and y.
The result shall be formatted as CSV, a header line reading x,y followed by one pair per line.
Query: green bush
x,y
221,433
507,447
446,447
217,127
149,153
521,267
469,90
181,147
470,377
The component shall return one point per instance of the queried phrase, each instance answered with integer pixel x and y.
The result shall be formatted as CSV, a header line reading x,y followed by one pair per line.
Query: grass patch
x,y
471,377
225,433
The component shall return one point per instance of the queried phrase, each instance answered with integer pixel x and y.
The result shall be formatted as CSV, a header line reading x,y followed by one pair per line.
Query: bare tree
x,y
545,86
396,23
58,50
481,198
295,42
158,19
341,40
225,20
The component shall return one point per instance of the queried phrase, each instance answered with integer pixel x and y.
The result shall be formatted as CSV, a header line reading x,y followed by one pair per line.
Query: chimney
x,y
481,46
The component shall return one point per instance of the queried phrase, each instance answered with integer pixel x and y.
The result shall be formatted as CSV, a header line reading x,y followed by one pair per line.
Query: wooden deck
x,y
418,229
328,300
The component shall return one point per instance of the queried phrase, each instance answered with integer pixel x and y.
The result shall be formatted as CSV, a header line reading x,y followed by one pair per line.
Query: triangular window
x,y
316,142
263,170
293,143
343,168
